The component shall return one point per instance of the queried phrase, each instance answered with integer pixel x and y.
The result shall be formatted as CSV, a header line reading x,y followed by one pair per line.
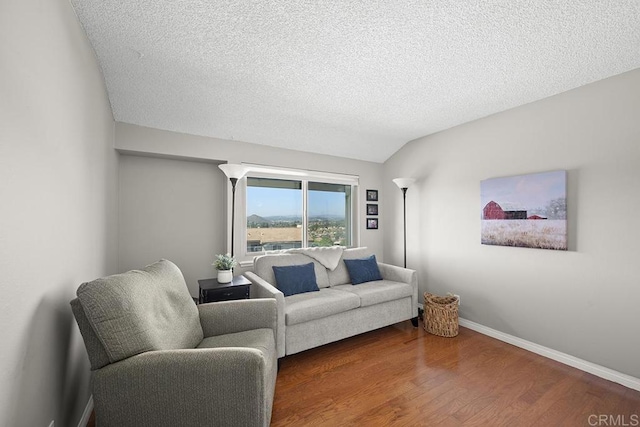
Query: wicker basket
x,y
441,315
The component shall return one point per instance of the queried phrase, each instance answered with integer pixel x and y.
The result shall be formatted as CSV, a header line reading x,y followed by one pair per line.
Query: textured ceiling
x,y
356,79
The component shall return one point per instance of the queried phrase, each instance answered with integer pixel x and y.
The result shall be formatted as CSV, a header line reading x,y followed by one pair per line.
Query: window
x,y
274,214
284,212
328,214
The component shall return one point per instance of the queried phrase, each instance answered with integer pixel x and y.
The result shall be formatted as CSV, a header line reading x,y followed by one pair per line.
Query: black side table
x,y
212,291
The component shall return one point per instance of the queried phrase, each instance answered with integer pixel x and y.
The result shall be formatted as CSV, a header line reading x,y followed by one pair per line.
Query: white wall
x,y
57,207
584,301
168,210
193,150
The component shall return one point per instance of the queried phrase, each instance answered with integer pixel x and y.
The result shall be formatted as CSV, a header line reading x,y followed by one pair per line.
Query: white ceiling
x,y
356,79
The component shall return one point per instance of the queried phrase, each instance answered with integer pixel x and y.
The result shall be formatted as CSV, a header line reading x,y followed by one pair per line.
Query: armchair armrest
x,y
227,317
262,289
225,386
403,275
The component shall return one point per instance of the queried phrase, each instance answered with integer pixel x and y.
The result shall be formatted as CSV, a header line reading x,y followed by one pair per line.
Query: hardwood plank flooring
x,y
403,376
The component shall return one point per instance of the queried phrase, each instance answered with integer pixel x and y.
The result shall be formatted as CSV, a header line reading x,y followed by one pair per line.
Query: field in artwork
x,y
525,210
543,234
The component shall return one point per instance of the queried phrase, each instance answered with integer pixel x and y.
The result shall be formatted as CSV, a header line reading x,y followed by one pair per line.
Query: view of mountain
x,y
257,219
292,218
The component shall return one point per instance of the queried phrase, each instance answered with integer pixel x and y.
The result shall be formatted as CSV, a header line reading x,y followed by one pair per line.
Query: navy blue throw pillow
x,y
295,279
363,270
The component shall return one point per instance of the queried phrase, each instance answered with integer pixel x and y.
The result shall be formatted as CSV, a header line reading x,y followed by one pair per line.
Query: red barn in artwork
x,y
492,210
536,217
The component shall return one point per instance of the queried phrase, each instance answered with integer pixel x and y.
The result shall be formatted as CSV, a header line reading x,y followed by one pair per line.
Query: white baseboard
x,y
583,365
87,413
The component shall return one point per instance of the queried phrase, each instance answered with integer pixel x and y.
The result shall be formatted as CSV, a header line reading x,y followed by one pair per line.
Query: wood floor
x,y
402,376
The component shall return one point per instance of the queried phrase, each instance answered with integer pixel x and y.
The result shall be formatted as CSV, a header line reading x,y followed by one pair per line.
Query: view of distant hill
x,y
285,231
257,219
280,218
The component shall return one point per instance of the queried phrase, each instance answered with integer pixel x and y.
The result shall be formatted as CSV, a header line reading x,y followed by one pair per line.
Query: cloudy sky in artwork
x,y
524,192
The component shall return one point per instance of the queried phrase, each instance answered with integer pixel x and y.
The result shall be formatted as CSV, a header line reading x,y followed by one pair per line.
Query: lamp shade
x,y
233,170
404,182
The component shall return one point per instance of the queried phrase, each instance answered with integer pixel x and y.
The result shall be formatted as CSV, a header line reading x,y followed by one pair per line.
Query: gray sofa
x,y
338,310
157,359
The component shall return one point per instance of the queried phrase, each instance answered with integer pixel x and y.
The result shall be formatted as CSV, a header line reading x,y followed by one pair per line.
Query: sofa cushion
x,y
141,310
295,279
340,276
372,293
263,266
328,256
363,270
316,305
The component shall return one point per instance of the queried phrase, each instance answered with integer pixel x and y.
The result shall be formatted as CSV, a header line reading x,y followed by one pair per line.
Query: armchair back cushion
x,y
97,355
141,310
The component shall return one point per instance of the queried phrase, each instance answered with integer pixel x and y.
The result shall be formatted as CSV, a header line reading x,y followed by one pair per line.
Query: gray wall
x,y
155,142
58,211
582,302
168,210
57,207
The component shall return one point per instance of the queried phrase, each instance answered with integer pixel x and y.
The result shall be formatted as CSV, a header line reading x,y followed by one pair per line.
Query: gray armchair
x,y
158,359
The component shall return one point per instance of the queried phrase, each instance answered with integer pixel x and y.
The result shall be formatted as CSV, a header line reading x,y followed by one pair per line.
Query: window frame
x,y
305,176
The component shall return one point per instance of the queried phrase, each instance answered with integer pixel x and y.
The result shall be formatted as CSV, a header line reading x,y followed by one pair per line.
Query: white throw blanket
x,y
327,256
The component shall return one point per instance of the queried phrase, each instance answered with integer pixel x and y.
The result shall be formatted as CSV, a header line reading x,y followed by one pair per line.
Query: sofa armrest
x,y
262,289
227,317
403,275
186,387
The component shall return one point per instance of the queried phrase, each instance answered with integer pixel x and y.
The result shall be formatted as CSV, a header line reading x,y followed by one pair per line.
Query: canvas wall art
x,y
525,210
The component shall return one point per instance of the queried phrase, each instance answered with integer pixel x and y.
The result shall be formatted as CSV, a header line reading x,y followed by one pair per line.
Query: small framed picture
x,y
372,223
372,195
372,209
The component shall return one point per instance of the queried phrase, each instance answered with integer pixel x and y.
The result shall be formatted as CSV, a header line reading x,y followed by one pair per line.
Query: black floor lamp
x,y
234,173
404,184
